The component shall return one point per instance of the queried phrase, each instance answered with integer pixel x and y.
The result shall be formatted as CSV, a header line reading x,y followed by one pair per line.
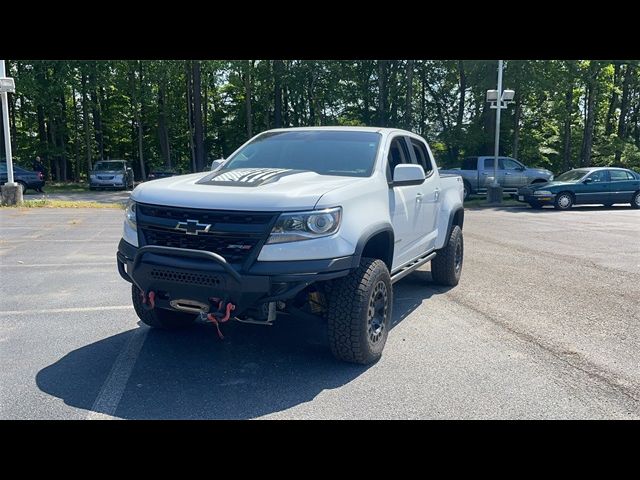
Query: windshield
x,y
571,176
324,152
102,166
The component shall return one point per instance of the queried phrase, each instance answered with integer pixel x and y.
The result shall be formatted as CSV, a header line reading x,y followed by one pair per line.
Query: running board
x,y
407,269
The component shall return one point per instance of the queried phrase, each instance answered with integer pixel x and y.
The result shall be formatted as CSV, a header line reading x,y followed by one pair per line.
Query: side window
x,y
398,153
422,156
470,163
488,164
599,176
507,164
618,175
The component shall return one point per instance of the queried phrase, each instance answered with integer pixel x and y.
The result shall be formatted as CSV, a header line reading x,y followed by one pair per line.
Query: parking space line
x,y
111,392
65,310
94,264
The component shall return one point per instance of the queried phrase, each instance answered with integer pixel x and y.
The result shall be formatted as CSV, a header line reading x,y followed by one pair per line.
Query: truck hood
x,y
243,189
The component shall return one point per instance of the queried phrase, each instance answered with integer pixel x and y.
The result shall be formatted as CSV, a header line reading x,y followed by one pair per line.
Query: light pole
x,y
499,100
11,191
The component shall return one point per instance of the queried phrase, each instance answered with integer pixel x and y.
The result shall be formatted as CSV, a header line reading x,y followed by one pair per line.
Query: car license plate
x,y
521,198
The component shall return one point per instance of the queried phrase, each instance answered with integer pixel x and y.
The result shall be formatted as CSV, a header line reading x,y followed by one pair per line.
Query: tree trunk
x,y
382,93
462,90
85,120
190,116
613,103
138,129
408,104
311,99
197,116
393,92
566,147
163,134
96,110
423,101
624,107
247,98
516,125
76,139
592,95
277,93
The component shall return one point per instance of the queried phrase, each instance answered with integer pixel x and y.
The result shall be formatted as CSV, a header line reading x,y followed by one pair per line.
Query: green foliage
x,y
72,113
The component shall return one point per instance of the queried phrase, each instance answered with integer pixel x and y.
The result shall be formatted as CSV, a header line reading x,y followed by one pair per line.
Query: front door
x,y
513,174
595,191
406,207
430,200
487,174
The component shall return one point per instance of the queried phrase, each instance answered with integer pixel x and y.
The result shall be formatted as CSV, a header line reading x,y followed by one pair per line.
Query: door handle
x,y
419,197
437,194
485,173
507,173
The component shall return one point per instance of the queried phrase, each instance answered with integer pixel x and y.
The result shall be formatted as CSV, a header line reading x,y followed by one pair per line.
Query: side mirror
x,y
522,168
408,174
588,180
217,164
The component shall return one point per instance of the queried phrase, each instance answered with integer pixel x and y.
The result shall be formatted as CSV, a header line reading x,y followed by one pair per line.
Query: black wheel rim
x,y
377,313
457,258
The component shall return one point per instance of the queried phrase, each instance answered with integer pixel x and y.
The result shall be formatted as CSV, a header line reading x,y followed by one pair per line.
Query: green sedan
x,y
598,185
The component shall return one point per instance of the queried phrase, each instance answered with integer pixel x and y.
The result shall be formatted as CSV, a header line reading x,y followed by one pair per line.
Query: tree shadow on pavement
x,y
191,374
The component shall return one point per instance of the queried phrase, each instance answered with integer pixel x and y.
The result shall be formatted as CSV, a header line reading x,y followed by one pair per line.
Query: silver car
x,y
111,174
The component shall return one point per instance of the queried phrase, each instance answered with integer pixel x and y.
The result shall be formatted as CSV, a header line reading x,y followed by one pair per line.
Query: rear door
x,y
622,186
485,177
427,207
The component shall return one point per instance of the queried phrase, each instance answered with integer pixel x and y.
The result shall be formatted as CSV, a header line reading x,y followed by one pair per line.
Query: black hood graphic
x,y
246,177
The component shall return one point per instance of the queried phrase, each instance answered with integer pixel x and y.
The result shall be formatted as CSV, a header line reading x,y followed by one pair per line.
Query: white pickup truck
x,y
315,222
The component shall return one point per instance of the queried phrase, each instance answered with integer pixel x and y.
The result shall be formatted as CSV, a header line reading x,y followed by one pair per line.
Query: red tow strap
x,y
212,318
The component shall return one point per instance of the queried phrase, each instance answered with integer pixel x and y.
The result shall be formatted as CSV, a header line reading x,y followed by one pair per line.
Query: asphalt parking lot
x,y
545,324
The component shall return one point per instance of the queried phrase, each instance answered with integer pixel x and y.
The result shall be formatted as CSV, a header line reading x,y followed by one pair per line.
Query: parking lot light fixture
x,y
498,100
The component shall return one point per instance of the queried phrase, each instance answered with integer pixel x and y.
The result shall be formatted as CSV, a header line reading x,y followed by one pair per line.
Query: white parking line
x,y
94,264
111,392
66,310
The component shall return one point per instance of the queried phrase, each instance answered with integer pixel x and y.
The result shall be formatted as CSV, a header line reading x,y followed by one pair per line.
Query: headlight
x,y
542,193
130,214
294,227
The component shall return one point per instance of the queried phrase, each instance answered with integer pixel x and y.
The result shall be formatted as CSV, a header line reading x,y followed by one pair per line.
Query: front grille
x,y
233,235
206,216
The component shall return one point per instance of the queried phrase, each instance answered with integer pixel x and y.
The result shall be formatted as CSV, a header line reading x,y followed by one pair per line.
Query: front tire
x,y
359,314
158,317
446,267
564,201
635,201
467,190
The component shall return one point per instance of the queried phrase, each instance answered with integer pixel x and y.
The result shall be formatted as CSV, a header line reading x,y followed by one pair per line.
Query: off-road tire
x,y
158,317
355,334
446,267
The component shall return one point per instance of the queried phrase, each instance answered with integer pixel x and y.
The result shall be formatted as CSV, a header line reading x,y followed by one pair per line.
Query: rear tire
x,y
446,267
24,186
359,314
564,201
635,201
158,317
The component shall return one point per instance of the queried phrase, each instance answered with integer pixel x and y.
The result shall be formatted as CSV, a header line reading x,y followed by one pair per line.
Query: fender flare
x,y
452,215
367,235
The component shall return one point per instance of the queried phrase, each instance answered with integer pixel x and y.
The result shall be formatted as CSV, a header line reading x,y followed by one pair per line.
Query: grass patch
x,y
65,187
45,203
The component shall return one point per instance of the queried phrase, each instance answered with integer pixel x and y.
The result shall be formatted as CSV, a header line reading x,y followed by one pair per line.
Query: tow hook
x,y
221,315
148,300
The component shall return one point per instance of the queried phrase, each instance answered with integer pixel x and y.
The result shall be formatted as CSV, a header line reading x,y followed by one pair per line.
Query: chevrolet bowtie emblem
x,y
193,227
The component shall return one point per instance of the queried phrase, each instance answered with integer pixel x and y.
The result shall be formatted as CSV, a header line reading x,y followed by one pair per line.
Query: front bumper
x,y
183,274
529,198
